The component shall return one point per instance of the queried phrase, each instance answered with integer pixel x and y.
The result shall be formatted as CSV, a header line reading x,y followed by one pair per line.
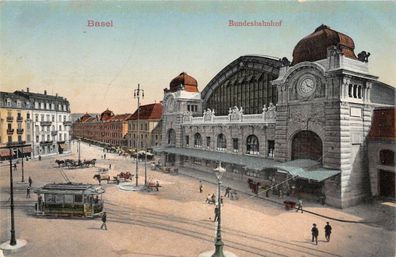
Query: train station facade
x,y
302,124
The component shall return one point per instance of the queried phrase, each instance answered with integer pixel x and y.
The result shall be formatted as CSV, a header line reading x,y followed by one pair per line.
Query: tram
x,y
69,199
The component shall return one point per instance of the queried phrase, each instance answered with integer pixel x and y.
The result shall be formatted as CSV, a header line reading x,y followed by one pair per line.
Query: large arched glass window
x,y
171,137
197,140
221,142
252,145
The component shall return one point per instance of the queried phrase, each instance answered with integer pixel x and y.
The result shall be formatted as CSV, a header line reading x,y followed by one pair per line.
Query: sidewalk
x,y
243,188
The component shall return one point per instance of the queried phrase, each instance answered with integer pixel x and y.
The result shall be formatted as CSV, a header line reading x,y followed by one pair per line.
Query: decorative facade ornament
x,y
363,56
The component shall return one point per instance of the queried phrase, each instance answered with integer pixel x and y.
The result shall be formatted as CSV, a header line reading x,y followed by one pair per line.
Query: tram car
x,y
69,199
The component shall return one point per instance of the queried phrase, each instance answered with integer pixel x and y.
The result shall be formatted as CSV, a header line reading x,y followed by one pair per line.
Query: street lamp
x,y
137,93
79,151
219,171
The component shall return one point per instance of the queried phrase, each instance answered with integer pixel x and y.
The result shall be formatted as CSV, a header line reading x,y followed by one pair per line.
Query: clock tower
x,y
324,112
181,98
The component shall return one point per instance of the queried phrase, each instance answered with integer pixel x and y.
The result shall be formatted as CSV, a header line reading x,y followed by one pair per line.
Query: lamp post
x,y
79,151
219,171
13,241
23,172
137,93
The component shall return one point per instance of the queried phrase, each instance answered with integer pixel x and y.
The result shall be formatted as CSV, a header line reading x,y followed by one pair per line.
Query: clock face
x,y
306,87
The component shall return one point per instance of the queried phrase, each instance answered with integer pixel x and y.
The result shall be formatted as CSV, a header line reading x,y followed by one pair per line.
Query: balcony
x,y
10,131
16,143
10,119
19,131
19,118
67,123
54,133
45,123
46,142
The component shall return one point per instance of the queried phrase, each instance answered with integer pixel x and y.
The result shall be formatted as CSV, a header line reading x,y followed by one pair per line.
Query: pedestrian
x,y
216,211
39,157
15,167
157,185
221,200
104,219
327,229
227,192
28,192
30,181
315,233
281,193
200,186
110,166
104,156
299,206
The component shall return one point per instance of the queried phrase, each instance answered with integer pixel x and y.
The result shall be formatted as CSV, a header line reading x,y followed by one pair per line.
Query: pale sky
x,y
48,46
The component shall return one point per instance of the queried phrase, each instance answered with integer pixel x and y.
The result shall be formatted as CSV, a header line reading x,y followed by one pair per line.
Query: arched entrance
x,y
307,145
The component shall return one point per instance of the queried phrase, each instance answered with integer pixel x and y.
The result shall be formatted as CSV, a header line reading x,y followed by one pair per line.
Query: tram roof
x,y
70,188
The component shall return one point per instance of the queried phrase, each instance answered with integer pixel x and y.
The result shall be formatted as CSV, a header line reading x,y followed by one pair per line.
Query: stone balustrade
x,y
235,115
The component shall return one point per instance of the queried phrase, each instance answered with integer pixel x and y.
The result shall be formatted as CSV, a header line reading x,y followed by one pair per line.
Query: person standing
x,y
299,206
30,181
28,192
315,234
104,156
104,219
200,186
216,211
227,192
327,229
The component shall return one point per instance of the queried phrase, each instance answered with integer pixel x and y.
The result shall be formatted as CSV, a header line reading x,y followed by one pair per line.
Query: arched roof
x,y
254,62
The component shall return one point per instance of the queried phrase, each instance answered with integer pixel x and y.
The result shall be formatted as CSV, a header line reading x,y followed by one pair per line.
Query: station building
x,y
302,124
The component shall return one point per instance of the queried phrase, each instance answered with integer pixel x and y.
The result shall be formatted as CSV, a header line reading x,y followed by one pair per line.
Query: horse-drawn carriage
x,y
69,199
69,163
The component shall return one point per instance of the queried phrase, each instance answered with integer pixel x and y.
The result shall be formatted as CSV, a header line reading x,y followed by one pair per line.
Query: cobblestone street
x,y
176,221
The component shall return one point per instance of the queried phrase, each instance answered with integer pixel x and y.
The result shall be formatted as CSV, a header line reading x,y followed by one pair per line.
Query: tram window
x,y
68,198
50,198
59,198
78,198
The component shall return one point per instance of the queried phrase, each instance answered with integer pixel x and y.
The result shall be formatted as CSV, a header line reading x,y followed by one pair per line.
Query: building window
x,y
350,89
19,138
208,142
221,142
187,140
171,137
9,139
235,144
387,157
252,145
53,118
42,117
28,116
271,148
197,140
37,118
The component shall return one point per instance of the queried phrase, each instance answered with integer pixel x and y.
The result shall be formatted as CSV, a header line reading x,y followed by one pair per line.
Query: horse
x,y
101,177
60,162
125,175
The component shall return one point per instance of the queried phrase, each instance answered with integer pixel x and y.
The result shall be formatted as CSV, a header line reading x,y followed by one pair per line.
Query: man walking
x,y
227,192
200,186
327,229
315,233
30,181
104,218
216,211
299,206
28,192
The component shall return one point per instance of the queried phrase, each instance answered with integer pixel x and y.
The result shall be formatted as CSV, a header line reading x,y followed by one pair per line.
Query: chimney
x,y
27,90
45,92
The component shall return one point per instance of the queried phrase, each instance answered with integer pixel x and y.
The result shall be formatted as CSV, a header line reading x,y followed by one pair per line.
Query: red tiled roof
x,y
106,115
85,117
383,124
148,112
120,117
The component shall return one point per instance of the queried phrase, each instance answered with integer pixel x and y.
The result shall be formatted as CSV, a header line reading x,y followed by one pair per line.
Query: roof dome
x,y
185,82
106,115
314,46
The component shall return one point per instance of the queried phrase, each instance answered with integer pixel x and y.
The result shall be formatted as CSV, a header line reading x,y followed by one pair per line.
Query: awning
x,y
5,153
307,169
248,162
26,149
